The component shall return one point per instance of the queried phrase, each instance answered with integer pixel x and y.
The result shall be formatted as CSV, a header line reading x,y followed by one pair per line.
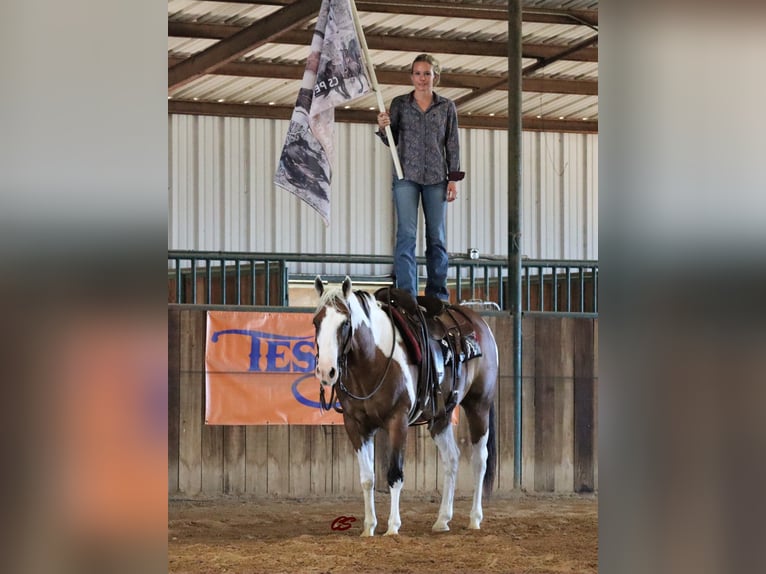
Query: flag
x,y
335,73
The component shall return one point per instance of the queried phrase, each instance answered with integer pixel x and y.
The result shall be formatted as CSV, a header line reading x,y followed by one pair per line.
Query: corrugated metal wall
x,y
221,195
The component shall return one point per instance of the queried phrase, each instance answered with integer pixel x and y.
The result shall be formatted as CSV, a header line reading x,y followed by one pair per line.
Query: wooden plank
x,y
528,413
212,459
234,463
345,467
545,392
278,460
584,414
174,396
595,404
300,460
321,459
256,460
191,358
504,428
211,448
505,404
564,407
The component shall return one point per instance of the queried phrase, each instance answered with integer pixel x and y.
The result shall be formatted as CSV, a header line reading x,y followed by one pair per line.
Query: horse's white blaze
x,y
450,455
479,466
394,520
366,457
327,346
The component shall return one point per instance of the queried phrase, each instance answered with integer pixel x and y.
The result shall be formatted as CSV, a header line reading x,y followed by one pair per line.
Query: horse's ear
x,y
346,287
318,285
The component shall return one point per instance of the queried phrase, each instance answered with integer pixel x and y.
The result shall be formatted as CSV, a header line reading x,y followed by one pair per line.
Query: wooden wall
x,y
559,424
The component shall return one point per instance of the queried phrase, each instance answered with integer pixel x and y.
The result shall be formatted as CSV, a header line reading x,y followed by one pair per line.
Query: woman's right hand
x,y
383,120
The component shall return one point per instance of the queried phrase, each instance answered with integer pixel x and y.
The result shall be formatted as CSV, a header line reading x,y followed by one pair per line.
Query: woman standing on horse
x,y
425,129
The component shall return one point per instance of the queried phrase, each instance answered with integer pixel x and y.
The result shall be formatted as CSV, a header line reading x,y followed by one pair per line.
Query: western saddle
x,y
437,335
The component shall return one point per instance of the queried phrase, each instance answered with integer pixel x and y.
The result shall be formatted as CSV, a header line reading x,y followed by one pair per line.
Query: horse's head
x,y
332,322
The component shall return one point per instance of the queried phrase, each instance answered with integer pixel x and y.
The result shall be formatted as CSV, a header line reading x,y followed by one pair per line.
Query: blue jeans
x,y
407,196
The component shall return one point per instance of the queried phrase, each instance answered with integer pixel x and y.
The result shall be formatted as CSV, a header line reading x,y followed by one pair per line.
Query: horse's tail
x,y
489,474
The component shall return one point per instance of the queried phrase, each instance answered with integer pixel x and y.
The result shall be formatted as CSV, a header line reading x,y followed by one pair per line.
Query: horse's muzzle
x,y
327,375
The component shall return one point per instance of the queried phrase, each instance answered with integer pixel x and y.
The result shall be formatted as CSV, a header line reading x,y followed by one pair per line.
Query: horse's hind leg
x,y
449,454
366,457
479,466
478,424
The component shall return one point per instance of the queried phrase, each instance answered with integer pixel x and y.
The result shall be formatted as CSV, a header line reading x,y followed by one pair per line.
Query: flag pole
x,y
376,88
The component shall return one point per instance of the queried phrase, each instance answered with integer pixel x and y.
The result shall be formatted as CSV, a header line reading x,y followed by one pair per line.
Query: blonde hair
x,y
437,69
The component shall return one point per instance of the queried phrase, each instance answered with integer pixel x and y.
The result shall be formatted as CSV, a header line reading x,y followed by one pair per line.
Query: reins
x,y
342,364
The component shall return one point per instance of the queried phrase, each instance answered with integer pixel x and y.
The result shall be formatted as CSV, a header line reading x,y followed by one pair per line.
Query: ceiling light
x,y
272,103
221,101
561,117
585,119
346,107
196,99
492,114
538,117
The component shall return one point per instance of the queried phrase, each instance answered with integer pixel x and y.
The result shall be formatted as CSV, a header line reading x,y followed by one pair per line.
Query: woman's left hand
x,y
451,191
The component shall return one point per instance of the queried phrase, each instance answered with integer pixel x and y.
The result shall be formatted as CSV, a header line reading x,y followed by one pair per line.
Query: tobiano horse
x,y
362,357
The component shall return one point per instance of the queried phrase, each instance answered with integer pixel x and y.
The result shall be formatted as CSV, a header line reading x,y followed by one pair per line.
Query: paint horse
x,y
362,357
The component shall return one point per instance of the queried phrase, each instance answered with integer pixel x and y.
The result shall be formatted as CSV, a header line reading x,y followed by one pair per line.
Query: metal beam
x,y
245,40
392,43
573,49
457,10
255,69
540,64
368,117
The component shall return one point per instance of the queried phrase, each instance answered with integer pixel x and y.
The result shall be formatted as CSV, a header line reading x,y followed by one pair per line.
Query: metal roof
x,y
468,37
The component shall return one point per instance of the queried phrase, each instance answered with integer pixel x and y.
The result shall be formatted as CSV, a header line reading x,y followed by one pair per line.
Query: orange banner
x,y
259,369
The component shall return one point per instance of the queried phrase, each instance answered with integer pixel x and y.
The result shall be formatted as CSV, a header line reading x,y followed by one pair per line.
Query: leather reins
x,y
342,368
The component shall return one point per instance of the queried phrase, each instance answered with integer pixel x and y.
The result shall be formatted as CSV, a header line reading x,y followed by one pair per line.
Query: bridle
x,y
347,334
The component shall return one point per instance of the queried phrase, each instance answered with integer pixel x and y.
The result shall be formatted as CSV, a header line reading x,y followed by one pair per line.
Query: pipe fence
x,y
258,279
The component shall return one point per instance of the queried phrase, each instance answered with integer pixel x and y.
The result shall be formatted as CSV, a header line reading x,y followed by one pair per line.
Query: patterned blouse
x,y
427,142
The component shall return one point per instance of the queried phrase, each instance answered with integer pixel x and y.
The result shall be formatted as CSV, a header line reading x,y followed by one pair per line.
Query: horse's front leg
x,y
450,456
397,436
366,457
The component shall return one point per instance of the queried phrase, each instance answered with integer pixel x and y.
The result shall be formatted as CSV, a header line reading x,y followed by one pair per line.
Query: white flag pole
x,y
375,87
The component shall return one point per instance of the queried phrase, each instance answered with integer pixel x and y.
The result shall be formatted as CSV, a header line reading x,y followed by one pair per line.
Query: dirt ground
x,y
520,534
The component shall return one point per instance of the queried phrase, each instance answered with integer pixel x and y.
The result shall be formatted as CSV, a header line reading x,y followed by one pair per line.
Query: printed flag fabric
x,y
335,73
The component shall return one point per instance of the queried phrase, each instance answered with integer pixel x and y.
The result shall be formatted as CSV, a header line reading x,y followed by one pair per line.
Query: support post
x,y
513,299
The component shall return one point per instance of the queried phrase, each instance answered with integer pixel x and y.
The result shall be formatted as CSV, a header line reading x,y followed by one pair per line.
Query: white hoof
x,y
368,531
390,532
474,525
440,526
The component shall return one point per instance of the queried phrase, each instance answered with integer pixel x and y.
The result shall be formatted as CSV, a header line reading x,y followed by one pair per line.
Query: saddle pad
x,y
410,340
